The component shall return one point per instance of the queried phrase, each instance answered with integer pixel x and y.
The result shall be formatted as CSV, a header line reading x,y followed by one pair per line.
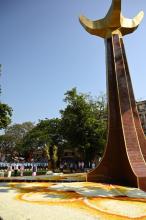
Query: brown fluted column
x,y
123,161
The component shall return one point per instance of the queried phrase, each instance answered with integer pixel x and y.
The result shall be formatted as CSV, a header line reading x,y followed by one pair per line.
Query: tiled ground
x,y
70,201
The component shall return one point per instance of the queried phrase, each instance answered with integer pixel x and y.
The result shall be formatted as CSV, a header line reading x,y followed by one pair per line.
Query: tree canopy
x,y
81,127
5,112
5,115
83,123
12,139
45,136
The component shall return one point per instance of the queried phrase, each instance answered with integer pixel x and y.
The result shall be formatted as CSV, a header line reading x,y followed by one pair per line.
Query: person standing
x,y
15,169
34,170
82,166
9,170
21,169
93,165
71,167
61,167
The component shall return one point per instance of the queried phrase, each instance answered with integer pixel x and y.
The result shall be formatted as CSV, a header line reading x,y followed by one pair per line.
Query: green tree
x,y
83,123
18,131
45,136
5,115
7,147
5,112
10,142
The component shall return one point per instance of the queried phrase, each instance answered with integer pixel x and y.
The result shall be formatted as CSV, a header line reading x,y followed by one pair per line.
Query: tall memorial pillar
x,y
124,160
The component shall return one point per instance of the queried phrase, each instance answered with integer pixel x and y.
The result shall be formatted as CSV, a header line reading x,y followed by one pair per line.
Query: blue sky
x,y
44,51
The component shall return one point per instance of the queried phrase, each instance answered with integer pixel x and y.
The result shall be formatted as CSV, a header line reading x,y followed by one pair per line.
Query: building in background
x,y
141,107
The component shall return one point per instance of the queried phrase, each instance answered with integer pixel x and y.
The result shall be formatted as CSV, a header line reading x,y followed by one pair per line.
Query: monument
x,y
124,160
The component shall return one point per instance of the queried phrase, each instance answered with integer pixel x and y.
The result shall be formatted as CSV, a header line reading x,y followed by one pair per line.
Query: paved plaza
x,y
70,201
51,177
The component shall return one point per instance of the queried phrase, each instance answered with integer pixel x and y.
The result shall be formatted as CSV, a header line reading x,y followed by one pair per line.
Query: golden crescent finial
x,y
114,22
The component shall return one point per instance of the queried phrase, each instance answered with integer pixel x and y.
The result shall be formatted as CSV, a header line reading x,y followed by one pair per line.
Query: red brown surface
x,y
123,162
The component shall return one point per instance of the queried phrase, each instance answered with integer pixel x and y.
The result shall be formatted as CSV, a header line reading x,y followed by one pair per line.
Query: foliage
x,y
83,123
11,140
5,115
45,136
5,112
27,173
18,131
82,127
7,146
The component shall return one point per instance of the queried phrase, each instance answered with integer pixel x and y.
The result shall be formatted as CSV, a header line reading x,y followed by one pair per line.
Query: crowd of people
x,y
17,169
79,166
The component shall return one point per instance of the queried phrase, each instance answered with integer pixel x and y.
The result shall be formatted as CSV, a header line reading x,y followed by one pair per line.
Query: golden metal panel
x,y
113,23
